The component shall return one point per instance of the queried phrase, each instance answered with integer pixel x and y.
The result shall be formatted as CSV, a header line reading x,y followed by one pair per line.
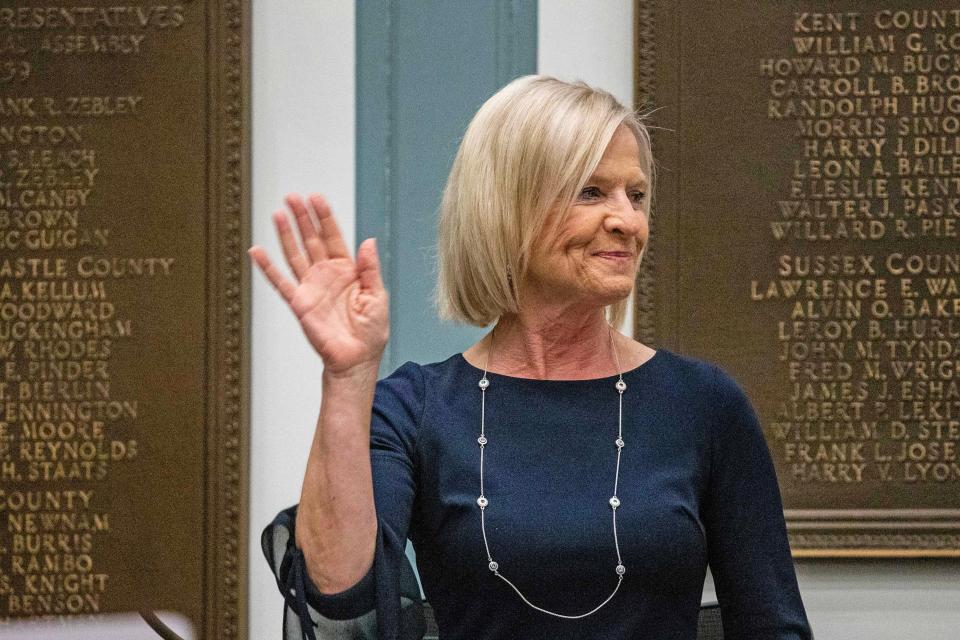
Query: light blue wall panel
x,y
423,69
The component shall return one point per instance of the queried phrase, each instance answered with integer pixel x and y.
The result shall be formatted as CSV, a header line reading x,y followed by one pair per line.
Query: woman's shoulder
x,y
453,365
405,398
416,379
704,377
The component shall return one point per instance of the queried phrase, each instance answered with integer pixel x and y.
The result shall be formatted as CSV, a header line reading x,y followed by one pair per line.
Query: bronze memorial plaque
x,y
806,236
122,309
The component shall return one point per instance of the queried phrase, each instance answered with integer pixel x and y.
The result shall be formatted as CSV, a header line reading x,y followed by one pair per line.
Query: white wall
x,y
303,140
903,600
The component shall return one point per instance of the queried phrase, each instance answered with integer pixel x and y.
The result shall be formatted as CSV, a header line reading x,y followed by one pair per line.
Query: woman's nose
x,y
625,217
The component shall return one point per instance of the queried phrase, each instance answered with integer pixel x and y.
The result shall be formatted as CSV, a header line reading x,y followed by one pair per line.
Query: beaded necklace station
x,y
483,501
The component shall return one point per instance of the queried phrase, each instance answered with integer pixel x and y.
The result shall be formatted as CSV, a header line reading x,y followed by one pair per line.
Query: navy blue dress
x,y
696,486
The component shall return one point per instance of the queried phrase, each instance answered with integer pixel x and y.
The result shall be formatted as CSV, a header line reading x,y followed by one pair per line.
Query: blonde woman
x,y
558,479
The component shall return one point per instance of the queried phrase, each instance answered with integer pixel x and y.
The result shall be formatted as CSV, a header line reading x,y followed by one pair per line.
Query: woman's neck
x,y
556,345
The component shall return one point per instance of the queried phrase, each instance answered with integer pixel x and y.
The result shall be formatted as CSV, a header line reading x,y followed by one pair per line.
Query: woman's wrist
x,y
364,372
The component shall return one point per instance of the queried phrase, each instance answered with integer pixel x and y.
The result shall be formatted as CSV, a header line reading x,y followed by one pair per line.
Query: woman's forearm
x,y
343,310
336,522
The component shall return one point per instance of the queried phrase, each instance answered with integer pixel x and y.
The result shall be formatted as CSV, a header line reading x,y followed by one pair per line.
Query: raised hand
x,y
341,304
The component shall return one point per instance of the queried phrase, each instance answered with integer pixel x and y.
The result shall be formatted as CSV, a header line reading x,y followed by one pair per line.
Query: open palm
x,y
341,304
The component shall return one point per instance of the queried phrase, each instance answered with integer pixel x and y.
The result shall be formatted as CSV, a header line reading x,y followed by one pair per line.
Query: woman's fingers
x,y
308,232
329,231
291,251
368,266
281,284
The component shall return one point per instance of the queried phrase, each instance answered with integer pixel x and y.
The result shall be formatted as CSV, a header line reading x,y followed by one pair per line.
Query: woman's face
x,y
592,257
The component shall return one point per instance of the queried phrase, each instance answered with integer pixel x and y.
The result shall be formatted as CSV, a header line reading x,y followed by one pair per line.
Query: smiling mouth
x,y
614,254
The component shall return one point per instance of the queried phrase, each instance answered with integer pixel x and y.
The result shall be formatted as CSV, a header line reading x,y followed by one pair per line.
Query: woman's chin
x,y
613,295
619,290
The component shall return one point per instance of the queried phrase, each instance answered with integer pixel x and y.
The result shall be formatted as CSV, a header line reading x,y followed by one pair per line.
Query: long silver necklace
x,y
483,502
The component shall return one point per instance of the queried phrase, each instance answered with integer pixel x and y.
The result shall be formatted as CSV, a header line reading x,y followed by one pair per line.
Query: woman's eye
x,y
588,193
637,197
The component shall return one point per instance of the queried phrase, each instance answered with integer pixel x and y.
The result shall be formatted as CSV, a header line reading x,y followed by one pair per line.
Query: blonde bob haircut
x,y
530,149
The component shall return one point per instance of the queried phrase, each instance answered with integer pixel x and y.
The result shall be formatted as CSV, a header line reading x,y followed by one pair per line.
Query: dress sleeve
x,y
385,604
747,543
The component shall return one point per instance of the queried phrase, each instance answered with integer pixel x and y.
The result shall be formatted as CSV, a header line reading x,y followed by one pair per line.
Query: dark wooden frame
x,y
225,545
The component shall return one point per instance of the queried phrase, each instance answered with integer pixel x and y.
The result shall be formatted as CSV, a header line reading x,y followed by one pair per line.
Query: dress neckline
x,y
642,367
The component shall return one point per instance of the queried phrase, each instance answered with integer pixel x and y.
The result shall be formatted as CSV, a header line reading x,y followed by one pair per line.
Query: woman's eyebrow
x,y
634,180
